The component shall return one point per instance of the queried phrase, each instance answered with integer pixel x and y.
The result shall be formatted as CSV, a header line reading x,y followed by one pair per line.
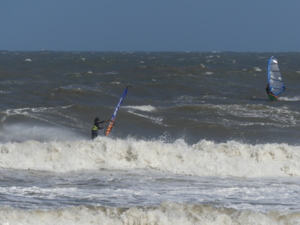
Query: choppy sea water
x,y
196,140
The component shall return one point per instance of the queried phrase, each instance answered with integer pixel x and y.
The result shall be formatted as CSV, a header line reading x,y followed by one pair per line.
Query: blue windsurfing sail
x,y
274,76
112,120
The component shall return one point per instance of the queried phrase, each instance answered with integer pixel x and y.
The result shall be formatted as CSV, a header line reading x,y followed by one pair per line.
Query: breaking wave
x,y
205,158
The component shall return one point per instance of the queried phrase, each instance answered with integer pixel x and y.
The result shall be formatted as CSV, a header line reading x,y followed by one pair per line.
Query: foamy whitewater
x,y
196,140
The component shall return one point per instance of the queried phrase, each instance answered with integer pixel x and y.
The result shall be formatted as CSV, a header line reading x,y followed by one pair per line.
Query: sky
x,y
150,25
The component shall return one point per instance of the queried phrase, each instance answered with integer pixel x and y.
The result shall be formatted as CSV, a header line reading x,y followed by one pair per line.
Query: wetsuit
x,y
96,127
268,89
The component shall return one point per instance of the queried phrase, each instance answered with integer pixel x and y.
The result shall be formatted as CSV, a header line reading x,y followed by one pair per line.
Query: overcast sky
x,y
150,25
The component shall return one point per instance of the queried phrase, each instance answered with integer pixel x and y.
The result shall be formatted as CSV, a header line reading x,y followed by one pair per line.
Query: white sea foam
x,y
36,113
283,116
152,118
22,132
78,88
205,158
167,213
257,69
290,99
208,73
145,108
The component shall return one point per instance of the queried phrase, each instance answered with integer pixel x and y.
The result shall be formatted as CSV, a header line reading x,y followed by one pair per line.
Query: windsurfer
x,y
97,127
275,84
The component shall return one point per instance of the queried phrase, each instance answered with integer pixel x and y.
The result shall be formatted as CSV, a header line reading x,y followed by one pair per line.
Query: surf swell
x,y
205,158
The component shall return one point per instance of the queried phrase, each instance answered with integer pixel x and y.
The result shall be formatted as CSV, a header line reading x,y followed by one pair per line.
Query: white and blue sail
x,y
112,120
274,77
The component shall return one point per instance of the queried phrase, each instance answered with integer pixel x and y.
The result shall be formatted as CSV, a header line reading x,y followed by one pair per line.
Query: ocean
x,y
196,140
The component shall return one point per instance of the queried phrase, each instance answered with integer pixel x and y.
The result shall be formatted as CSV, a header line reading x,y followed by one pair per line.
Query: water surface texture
x,y
196,139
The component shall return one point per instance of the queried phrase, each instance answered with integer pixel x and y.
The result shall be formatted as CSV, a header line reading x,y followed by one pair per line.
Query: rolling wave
x,y
205,158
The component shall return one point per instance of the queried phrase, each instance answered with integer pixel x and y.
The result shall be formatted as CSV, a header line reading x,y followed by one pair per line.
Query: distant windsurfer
x,y
275,84
97,127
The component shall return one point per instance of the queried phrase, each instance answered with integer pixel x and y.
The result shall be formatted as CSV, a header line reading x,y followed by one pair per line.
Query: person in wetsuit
x,y
268,90
97,127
